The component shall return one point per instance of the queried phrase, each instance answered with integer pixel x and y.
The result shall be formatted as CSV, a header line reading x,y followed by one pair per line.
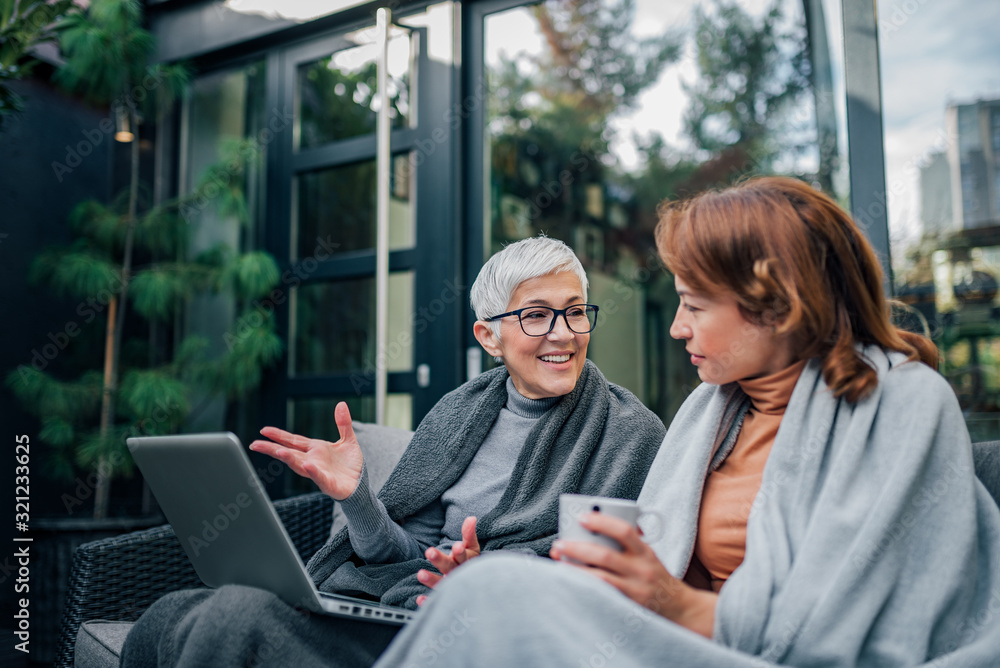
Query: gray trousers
x,y
236,626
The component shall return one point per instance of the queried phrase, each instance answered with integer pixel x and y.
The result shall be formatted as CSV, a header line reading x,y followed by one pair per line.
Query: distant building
x,y
974,158
935,196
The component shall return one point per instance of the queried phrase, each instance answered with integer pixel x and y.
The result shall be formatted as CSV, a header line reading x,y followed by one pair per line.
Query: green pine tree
x,y
140,258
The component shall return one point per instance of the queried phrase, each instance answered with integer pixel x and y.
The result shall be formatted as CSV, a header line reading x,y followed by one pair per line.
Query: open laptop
x,y
217,506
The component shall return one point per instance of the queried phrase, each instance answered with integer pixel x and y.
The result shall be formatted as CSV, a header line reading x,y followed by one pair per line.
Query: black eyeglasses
x,y
539,320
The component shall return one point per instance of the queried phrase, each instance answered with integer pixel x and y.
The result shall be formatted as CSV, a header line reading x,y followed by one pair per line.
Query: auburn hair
x,y
794,260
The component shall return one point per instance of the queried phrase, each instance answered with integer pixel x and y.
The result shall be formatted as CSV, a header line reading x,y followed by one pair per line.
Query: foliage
x,y
750,73
336,102
592,70
550,114
157,388
152,399
107,58
24,25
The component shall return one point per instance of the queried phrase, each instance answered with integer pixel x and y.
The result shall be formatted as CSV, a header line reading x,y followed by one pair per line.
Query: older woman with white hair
x,y
483,472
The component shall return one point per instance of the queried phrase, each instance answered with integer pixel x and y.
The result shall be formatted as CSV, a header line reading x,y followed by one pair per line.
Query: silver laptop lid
x,y
216,504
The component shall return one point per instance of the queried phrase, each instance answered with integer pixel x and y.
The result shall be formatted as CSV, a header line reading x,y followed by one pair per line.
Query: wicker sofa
x,y
117,578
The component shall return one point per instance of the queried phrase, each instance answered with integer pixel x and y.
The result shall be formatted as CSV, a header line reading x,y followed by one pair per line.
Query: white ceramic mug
x,y
572,506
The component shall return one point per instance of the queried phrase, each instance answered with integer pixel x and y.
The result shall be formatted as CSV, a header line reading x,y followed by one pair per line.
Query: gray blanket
x,y
598,439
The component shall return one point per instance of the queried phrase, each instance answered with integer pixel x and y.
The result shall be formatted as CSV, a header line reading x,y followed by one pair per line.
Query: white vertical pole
x,y
382,166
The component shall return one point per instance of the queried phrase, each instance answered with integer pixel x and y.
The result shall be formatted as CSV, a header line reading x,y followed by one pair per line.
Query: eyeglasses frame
x,y
556,312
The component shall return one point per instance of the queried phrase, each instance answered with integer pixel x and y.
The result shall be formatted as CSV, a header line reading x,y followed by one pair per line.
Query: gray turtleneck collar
x,y
524,407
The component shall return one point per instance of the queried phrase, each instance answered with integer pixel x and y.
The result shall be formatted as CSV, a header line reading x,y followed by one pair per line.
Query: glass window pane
x,y
220,109
313,417
336,95
334,327
399,344
637,107
338,205
399,411
942,146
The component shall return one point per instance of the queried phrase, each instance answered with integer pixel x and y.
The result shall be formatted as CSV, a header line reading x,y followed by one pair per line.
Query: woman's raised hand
x,y
334,467
462,551
638,573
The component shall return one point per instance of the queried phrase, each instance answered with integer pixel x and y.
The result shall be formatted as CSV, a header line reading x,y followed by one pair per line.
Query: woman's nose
x,y
560,330
678,328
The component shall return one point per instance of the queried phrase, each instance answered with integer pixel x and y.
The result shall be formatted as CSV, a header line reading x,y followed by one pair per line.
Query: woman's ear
x,y
487,339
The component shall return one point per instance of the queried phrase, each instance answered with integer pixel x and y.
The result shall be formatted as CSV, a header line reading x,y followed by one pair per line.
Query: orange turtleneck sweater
x,y
730,490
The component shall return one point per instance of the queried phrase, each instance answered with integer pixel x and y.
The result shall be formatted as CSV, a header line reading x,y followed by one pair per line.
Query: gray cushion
x,y
99,644
987,459
382,448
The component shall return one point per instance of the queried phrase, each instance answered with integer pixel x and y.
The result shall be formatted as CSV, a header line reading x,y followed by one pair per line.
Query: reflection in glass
x,y
313,417
336,95
596,116
337,205
334,328
221,108
942,146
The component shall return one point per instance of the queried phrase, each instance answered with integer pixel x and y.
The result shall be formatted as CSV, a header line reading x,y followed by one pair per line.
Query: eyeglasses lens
x,y
538,321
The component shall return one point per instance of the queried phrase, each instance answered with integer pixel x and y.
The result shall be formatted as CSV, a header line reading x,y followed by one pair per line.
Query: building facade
x,y
575,119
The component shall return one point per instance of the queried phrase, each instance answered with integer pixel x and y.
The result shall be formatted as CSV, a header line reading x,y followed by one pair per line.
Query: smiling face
x,y
540,366
723,344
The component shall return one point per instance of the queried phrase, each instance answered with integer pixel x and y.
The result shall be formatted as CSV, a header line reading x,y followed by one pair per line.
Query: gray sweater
x,y
379,540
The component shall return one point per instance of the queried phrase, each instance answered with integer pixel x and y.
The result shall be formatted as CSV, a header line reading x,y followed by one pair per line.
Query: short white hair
x,y
515,264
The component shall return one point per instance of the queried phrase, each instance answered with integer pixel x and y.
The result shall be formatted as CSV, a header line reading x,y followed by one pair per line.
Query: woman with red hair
x,y
818,487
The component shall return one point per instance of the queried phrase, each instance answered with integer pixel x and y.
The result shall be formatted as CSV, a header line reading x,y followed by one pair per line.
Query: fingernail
x,y
557,545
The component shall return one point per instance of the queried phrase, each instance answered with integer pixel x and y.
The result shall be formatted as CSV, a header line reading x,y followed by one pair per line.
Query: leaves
x,y
596,63
102,224
221,186
57,431
78,271
749,70
24,25
110,452
106,51
155,395
47,397
155,292
162,230
253,274
252,345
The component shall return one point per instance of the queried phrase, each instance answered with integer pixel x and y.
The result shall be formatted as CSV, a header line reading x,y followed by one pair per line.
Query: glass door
x,y
327,184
